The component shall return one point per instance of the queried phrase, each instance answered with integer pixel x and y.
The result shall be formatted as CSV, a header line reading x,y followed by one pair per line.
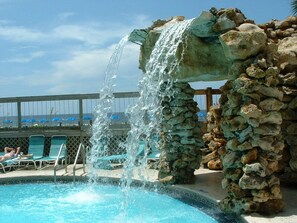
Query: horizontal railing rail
x,y
65,97
75,110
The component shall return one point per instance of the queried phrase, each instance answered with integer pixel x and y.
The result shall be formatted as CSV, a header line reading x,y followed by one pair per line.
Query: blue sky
x,y
63,46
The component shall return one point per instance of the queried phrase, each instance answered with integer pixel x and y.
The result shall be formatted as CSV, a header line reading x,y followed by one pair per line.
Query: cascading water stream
x,y
101,133
145,115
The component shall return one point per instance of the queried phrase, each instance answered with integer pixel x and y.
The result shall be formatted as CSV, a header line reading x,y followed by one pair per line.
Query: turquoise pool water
x,y
47,202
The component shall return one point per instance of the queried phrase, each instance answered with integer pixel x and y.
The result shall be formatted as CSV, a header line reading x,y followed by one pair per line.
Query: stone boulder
x,y
287,50
239,45
214,46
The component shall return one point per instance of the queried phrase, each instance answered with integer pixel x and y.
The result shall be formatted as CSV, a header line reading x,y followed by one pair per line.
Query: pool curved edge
x,y
189,196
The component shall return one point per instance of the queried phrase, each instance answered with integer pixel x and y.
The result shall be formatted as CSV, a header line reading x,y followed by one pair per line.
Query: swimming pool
x,y
48,202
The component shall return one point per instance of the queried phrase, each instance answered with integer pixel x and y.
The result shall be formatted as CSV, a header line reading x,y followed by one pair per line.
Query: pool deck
x,y
207,183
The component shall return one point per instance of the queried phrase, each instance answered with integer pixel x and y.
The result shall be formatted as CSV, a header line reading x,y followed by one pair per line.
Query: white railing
x,y
81,151
75,110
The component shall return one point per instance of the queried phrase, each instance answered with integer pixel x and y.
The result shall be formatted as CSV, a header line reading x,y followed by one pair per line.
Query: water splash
x,y
145,115
101,133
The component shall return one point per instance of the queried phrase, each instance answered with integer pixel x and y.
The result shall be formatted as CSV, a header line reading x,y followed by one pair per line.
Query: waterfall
x,y
101,133
145,115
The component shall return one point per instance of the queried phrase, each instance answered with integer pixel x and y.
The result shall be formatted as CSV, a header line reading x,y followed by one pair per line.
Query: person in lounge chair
x,y
9,153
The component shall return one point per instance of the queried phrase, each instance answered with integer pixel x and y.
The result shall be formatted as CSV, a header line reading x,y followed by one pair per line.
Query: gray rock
x,y
202,26
252,182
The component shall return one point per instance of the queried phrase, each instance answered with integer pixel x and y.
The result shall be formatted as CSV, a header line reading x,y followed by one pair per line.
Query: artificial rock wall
x,y
181,140
214,140
258,104
259,122
251,122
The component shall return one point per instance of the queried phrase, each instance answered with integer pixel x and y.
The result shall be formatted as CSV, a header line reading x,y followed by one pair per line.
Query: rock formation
x,y
283,37
251,121
214,140
258,103
181,138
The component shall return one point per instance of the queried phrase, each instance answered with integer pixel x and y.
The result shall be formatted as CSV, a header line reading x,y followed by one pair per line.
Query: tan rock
x,y
287,50
271,92
244,85
167,180
232,144
249,27
276,192
250,156
213,145
239,45
271,104
261,195
244,146
237,123
273,117
255,168
255,72
268,130
288,79
289,90
273,181
215,164
209,157
250,111
266,143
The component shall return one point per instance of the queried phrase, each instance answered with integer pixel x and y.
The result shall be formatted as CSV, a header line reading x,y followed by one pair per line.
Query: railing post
x,y
19,110
208,98
80,104
81,120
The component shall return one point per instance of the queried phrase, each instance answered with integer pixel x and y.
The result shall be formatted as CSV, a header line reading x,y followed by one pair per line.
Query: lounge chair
x,y
106,161
36,149
57,142
154,153
9,164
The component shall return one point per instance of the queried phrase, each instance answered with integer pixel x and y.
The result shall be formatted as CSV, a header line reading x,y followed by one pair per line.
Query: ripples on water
x,y
47,202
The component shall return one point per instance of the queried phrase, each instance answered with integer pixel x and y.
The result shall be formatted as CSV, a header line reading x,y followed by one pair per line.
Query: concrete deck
x,y
207,183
